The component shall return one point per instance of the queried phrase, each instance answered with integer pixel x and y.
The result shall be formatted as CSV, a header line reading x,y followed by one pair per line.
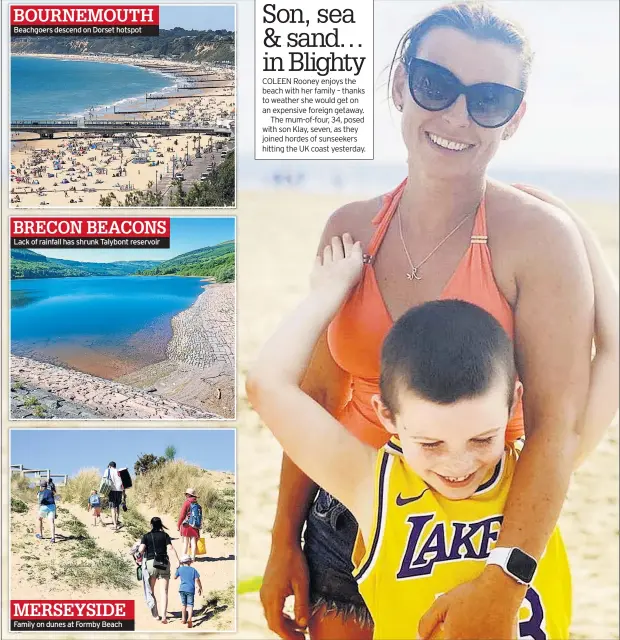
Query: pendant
x,y
414,274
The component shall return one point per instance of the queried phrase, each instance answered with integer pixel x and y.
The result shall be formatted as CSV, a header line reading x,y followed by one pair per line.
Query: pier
x,y
47,128
207,86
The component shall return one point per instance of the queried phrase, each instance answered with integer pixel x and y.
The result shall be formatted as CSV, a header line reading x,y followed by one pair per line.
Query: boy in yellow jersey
x,y
448,384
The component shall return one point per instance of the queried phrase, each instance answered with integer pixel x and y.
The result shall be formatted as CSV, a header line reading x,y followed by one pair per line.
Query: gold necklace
x,y
414,269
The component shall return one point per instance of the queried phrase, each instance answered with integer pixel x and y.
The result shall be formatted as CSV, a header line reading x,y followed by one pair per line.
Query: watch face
x,y
521,565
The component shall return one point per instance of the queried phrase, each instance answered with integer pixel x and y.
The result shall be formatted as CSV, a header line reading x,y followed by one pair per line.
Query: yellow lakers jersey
x,y
422,545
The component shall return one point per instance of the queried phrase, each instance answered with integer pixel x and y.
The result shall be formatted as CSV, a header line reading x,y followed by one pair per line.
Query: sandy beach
x,y
200,367
217,570
77,169
279,231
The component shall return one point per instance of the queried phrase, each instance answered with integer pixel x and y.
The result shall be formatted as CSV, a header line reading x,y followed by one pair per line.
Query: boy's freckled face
x,y
453,447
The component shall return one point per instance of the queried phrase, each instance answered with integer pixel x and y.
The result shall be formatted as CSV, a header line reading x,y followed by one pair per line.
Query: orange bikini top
x,y
356,334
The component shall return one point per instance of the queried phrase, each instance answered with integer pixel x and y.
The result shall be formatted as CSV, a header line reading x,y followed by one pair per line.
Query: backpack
x,y
95,501
194,517
46,497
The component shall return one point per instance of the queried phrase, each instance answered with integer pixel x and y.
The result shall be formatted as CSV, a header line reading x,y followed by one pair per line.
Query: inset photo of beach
x,y
123,333
143,521
127,120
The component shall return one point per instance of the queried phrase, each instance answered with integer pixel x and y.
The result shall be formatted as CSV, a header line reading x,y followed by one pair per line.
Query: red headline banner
x,y
98,15
90,227
72,609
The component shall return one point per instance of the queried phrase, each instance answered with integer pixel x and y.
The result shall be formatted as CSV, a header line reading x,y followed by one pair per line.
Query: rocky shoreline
x,y
196,381
200,365
107,398
30,403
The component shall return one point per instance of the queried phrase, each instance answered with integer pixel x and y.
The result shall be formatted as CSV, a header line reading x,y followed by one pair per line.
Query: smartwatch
x,y
517,564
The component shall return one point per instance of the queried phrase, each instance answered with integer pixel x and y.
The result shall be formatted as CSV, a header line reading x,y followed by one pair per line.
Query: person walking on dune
x,y
94,505
157,545
47,509
190,522
116,497
190,578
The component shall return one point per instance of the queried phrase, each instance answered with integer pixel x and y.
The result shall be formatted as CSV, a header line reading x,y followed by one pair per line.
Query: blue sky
x,y
203,17
69,450
186,234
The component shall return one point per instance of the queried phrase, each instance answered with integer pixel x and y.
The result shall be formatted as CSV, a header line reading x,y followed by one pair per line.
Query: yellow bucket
x,y
201,547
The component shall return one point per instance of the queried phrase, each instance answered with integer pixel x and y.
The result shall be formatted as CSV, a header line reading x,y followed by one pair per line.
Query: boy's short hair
x,y
112,464
445,351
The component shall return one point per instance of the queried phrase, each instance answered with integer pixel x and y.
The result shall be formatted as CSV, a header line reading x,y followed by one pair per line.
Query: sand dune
x,y
217,571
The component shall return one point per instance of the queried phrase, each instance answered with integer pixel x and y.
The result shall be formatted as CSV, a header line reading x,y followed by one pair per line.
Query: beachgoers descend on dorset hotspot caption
x,y
443,356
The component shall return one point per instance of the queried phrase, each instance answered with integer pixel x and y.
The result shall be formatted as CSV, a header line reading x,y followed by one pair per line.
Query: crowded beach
x,y
78,168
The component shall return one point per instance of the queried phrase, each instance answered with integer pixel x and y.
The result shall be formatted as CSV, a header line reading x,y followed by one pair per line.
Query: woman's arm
x,y
553,338
184,510
603,396
170,546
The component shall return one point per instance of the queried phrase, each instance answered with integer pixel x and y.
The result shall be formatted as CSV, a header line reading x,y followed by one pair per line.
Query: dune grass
x,y
78,488
76,560
21,489
18,506
216,602
135,525
164,488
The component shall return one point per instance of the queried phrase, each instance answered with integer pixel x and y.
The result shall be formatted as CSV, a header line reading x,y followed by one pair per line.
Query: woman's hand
x,y
551,199
286,574
341,264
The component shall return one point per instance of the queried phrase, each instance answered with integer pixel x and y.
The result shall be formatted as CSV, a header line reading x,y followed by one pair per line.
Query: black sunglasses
x,y
435,88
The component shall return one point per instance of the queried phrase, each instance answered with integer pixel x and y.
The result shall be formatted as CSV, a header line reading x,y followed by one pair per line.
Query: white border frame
x,y
63,633
14,422
6,90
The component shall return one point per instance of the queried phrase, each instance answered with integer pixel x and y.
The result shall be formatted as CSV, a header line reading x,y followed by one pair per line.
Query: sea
x,y
52,88
369,178
106,326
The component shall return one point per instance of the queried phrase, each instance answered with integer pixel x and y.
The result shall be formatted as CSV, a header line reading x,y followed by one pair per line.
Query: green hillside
x,y
29,264
179,44
217,262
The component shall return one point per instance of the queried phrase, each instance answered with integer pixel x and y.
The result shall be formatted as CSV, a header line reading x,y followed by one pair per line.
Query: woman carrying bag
x,y
155,545
190,522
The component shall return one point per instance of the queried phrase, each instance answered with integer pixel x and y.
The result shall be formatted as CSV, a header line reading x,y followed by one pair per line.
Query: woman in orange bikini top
x,y
458,78
356,334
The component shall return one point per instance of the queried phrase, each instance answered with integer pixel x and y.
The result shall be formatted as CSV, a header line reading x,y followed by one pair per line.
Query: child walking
x,y
94,505
190,578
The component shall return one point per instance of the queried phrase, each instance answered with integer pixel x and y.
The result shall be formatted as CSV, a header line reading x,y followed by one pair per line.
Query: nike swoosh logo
x,y
401,502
